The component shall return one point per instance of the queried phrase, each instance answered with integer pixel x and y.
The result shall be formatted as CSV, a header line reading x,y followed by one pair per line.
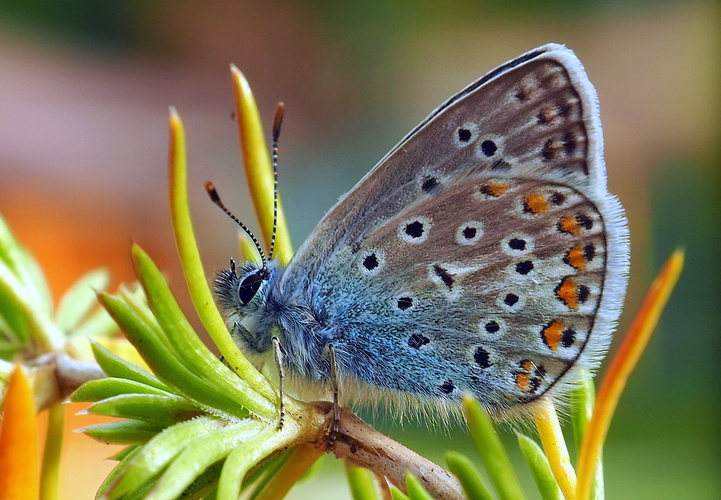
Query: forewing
x,y
534,117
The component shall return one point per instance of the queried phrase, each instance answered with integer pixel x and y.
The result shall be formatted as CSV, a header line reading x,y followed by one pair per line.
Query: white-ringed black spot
x,y
464,135
589,251
414,229
492,327
482,357
416,341
447,387
517,244
489,147
524,267
371,262
404,303
469,233
510,299
429,183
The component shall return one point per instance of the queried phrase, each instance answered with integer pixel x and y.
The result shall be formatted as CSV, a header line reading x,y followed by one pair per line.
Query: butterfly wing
x,y
483,253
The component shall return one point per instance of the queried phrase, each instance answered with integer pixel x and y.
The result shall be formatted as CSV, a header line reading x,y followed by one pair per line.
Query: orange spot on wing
x,y
547,115
567,291
536,203
523,381
494,189
576,258
569,224
553,334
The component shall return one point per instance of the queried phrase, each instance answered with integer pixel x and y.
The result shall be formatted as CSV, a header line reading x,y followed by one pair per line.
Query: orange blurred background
x,y
84,96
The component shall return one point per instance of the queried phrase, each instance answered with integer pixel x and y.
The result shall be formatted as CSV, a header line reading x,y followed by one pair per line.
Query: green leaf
x,y
204,483
362,483
141,493
80,299
104,388
123,432
155,456
473,485
12,308
415,489
163,363
259,477
196,277
493,454
202,486
114,366
397,494
191,351
582,403
244,457
23,266
124,452
540,469
23,311
200,454
161,410
126,456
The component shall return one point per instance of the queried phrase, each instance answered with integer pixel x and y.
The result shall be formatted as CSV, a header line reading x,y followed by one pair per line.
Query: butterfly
x,y
483,254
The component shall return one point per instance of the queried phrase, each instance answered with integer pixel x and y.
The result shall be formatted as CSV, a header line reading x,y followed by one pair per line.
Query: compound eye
x,y
249,287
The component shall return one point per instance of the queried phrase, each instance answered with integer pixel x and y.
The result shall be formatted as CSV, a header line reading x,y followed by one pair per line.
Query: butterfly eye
x,y
249,287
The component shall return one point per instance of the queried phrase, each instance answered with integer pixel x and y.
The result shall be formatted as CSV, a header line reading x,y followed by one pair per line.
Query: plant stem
x,y
50,473
359,444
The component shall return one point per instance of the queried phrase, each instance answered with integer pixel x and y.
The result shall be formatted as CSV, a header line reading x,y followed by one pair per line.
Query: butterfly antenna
x,y
215,197
277,122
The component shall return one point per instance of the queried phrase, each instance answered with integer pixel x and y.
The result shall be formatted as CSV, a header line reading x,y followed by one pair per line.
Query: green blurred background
x,y
84,93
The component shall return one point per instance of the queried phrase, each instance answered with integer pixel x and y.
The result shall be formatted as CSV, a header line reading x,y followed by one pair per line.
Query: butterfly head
x,y
242,292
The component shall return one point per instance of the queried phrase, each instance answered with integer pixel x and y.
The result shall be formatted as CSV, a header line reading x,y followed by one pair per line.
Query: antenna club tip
x,y
210,189
278,119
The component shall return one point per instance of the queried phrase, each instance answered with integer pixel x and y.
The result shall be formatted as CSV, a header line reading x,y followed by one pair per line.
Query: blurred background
x,y
84,95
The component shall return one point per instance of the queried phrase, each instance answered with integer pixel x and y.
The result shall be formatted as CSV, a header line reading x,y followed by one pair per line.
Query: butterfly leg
x,y
281,376
334,387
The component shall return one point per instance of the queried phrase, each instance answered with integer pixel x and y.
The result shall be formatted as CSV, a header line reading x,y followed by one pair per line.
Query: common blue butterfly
x,y
482,254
